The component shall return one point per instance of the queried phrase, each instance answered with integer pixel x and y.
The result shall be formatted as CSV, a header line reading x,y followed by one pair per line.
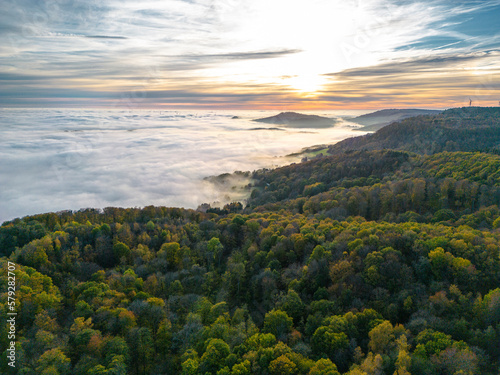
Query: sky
x,y
259,54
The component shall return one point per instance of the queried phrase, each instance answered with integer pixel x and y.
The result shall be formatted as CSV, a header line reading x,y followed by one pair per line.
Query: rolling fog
x,y
53,160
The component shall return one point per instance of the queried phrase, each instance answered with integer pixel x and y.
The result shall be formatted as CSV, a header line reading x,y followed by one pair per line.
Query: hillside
x,y
461,129
366,261
377,120
298,120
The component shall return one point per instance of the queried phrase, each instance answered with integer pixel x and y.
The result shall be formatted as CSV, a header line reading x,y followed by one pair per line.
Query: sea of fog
x,y
52,160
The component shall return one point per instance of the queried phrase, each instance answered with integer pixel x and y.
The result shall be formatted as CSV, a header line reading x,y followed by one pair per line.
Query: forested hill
x,y
459,187
377,120
370,261
458,129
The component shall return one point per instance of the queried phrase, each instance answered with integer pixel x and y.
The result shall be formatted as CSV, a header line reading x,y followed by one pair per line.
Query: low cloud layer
x,y
54,160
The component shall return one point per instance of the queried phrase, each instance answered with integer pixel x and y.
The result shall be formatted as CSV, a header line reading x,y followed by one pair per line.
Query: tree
x,y
431,342
282,366
214,356
261,340
243,368
115,347
372,365
457,360
403,361
140,342
117,366
496,223
190,367
150,226
278,323
326,340
35,254
215,248
53,362
440,261
318,253
169,252
324,367
98,370
380,337
234,277
293,306
120,250
164,336
489,308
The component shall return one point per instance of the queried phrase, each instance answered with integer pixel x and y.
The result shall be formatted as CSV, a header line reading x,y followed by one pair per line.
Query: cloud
x,y
416,65
4,76
240,55
218,47
104,37
54,160
429,81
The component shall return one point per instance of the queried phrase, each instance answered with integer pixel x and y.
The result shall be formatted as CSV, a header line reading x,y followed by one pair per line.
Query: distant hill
x,y
298,120
459,129
377,120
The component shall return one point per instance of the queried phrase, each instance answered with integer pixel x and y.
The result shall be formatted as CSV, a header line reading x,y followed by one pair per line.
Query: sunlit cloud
x,y
429,81
235,53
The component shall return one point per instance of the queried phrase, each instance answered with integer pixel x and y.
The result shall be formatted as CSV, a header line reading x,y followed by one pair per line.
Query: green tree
x,y
488,308
53,362
118,366
431,342
214,356
140,342
114,348
261,340
326,340
278,323
169,252
282,366
98,370
164,336
190,367
120,250
36,253
243,368
324,367
293,305
214,249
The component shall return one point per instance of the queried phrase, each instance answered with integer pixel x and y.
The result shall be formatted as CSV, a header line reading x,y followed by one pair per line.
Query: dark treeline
x,y
360,263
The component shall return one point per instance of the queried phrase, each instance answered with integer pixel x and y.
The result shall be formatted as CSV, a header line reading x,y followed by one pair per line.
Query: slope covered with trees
x,y
363,262
458,129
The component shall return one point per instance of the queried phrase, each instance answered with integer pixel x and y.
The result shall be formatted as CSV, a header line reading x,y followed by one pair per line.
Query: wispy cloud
x,y
425,82
418,65
239,55
104,37
286,51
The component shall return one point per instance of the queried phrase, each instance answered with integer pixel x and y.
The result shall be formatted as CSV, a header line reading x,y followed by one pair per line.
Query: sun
x,y
306,83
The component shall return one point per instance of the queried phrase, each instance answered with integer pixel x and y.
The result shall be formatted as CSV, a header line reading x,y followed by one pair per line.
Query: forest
x,y
382,257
